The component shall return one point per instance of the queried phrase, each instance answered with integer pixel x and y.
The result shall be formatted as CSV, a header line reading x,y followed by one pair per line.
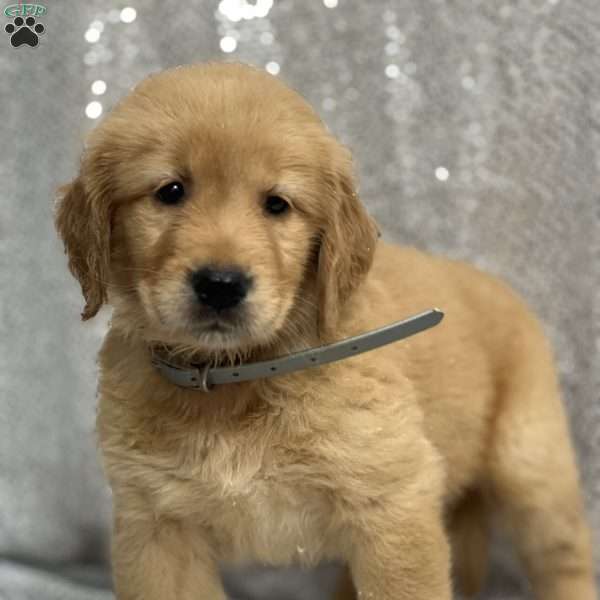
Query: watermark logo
x,y
25,29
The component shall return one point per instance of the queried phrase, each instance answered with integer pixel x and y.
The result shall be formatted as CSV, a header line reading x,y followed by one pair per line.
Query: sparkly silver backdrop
x,y
475,126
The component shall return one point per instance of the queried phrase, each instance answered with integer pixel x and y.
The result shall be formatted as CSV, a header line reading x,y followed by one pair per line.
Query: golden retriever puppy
x,y
219,218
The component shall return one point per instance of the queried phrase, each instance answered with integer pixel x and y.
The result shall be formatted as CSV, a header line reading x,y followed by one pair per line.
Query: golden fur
x,y
383,460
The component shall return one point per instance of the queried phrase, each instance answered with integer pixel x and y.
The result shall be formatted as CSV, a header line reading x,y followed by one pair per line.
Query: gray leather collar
x,y
203,378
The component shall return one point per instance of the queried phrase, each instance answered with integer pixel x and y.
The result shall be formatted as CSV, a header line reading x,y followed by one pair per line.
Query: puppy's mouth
x,y
218,327
227,321
220,331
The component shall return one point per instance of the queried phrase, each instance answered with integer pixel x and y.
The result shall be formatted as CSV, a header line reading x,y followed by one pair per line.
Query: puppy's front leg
x,y
160,560
401,557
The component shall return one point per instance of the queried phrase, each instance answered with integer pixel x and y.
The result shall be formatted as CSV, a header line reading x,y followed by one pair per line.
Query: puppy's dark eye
x,y
275,205
172,193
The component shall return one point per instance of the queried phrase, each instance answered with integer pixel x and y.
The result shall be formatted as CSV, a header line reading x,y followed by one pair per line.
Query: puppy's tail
x,y
470,534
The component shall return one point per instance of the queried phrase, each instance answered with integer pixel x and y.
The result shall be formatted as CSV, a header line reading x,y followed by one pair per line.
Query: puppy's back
x,y
488,343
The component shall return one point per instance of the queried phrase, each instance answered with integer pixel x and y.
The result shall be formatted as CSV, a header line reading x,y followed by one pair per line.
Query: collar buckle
x,y
200,378
195,378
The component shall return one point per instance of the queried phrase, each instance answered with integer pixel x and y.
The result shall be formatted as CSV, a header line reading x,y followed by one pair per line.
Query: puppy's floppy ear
x,y
83,223
347,244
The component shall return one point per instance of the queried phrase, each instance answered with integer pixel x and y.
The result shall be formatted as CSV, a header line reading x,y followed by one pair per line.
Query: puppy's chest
x,y
257,500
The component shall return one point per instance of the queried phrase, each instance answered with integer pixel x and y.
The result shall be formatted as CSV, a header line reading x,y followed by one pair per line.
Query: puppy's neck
x,y
180,354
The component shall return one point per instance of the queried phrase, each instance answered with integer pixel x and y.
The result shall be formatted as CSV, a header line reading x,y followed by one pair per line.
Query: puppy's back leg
x,y
345,588
470,533
534,479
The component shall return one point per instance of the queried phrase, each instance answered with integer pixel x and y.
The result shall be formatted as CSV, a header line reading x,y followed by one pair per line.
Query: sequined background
x,y
475,126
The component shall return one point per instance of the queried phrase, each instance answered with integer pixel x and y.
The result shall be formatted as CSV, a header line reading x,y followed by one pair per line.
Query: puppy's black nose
x,y
220,289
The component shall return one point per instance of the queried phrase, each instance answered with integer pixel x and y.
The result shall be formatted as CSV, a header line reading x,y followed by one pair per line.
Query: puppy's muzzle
x,y
220,289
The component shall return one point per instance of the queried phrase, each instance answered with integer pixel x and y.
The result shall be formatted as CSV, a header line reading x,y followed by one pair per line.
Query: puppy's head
x,y
210,203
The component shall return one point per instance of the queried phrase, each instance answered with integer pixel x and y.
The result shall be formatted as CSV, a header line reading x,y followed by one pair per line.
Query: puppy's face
x,y
207,201
214,232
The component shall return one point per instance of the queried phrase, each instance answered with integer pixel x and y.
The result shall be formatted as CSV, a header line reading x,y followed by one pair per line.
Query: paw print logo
x,y
24,31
